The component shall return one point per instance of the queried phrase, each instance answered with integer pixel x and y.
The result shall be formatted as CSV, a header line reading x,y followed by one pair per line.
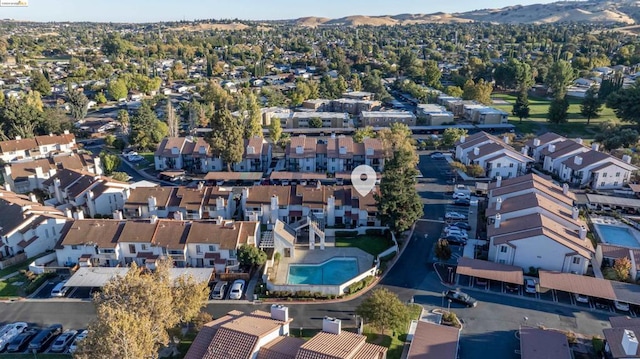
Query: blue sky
x,y
163,10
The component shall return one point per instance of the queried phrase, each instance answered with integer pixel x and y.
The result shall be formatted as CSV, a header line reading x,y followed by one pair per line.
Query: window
x,y
212,262
615,183
499,165
604,175
46,232
617,174
175,252
212,248
198,249
602,184
232,253
144,247
501,261
132,248
107,251
503,249
576,260
511,165
74,247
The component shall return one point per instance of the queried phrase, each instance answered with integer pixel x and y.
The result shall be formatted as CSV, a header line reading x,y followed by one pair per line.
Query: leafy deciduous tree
x,y
384,310
227,137
251,256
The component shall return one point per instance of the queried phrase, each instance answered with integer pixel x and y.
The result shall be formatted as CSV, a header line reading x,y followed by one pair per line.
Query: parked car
x,y
462,225
20,342
602,304
462,202
530,286
511,287
236,289
581,298
462,298
60,290
10,332
437,155
80,337
44,337
456,232
461,195
482,281
219,289
454,215
62,342
621,306
455,240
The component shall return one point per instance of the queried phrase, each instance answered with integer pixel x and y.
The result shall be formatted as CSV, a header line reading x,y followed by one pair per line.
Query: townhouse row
x,y
117,242
493,154
332,205
303,154
36,147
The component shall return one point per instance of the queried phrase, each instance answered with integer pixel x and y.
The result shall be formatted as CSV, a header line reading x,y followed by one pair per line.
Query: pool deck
x,y
612,222
317,256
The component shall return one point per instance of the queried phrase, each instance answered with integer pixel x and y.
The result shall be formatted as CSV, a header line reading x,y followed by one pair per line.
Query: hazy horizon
x,y
167,10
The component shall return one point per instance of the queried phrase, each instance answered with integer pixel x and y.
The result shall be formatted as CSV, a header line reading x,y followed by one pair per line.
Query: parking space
x,y
564,297
80,293
45,290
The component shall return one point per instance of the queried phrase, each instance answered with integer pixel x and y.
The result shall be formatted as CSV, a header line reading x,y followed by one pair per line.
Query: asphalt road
x,y
489,328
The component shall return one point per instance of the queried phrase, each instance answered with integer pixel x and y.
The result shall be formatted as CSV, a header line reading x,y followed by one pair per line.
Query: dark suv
x,y
42,339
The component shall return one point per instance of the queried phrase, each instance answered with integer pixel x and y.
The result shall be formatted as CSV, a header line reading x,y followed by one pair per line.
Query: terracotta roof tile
x,y
281,348
138,232
331,346
101,232
434,341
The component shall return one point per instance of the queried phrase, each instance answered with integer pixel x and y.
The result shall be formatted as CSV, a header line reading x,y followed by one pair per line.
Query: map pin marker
x,y
364,179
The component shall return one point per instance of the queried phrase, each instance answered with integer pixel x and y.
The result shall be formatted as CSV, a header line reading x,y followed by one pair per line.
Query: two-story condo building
x,y
495,155
36,147
532,223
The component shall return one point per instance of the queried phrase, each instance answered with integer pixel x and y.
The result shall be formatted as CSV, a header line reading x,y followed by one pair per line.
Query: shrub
x,y
37,282
277,256
374,232
361,284
598,344
346,233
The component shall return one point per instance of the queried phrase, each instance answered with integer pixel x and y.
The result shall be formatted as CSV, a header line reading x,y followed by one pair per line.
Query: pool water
x,y
332,272
617,235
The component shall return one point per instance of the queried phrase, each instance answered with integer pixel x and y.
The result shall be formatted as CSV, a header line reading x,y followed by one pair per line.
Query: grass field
x,y
373,245
9,289
537,121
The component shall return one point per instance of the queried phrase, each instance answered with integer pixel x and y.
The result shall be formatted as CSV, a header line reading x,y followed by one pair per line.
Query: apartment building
x,y
532,223
36,147
195,155
434,115
333,155
109,243
495,155
386,118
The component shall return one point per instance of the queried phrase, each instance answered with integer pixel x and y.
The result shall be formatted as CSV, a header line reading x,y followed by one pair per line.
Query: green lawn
x,y
373,245
9,289
393,340
539,107
147,156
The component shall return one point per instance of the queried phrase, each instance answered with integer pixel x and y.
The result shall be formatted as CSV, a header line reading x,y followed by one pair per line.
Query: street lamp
x,y
449,278
449,306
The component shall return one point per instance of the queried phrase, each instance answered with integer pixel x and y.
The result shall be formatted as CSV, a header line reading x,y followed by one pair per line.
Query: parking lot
x,y
544,294
23,341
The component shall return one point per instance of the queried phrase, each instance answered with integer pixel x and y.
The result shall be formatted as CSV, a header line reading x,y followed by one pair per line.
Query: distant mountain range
x,y
595,11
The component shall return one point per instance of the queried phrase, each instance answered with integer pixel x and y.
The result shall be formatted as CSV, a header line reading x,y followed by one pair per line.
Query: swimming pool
x,y
332,272
618,235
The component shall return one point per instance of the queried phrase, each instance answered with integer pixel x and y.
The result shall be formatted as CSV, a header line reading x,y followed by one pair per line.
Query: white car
x,y
462,234
60,290
621,306
454,215
461,195
581,298
236,289
80,337
10,332
530,286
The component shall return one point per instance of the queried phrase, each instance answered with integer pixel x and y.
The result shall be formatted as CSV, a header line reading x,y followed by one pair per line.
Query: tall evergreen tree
x,y
275,130
521,106
253,123
171,119
227,137
399,204
591,105
78,104
558,111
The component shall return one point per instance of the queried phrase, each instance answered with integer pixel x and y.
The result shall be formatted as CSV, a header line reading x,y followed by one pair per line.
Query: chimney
x,y
279,312
78,214
331,325
153,203
583,232
7,170
629,342
552,148
200,185
333,135
117,214
318,184
18,138
251,150
175,150
595,146
565,189
498,219
245,193
219,204
505,139
575,213
463,138
498,203
626,159
66,132
524,151
33,198
498,181
219,220
579,140
577,160
274,203
476,151
39,172
7,187
67,213
178,216
153,219
536,142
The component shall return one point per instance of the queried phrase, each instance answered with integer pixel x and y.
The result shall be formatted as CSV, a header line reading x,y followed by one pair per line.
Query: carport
x,y
233,176
574,283
626,292
490,270
99,276
613,202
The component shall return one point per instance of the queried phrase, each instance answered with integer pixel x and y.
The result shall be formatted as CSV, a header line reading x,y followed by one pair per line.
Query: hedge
x,y
346,233
361,284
